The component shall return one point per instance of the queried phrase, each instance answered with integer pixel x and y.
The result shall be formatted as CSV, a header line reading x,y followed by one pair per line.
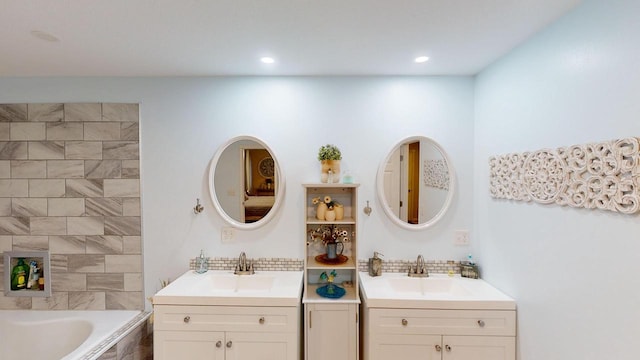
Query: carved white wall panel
x,y
603,175
436,174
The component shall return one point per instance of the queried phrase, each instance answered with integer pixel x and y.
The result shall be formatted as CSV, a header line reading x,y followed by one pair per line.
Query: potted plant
x,y
330,156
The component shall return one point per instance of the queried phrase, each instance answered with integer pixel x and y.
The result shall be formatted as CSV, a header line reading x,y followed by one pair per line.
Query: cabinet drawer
x,y
443,322
226,318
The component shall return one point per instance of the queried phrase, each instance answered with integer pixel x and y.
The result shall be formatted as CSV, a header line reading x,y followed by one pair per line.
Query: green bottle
x,y
19,275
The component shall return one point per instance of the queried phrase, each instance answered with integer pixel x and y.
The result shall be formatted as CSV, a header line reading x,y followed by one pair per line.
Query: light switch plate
x,y
228,235
461,237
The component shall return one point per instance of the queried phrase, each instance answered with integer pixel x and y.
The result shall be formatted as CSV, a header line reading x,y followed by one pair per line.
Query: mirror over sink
x,y
246,183
415,183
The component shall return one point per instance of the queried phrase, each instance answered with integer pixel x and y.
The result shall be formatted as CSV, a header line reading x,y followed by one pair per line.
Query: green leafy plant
x,y
329,152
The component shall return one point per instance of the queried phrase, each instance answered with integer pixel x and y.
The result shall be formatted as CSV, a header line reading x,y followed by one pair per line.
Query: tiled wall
x,y
259,264
433,266
70,184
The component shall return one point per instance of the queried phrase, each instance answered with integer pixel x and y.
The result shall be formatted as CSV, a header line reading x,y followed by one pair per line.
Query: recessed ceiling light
x,y
267,60
421,59
42,35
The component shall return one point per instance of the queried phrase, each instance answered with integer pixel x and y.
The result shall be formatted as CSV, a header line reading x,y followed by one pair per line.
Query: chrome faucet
x,y
242,268
420,270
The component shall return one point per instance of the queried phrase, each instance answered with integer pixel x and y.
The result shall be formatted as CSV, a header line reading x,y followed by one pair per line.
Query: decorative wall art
x,y
436,174
603,175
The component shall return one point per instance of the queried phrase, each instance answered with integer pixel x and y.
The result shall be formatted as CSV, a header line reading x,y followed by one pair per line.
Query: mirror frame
x,y
380,188
279,196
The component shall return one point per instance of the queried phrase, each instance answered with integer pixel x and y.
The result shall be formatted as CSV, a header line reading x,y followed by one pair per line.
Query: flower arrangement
x,y
329,152
328,277
329,234
330,203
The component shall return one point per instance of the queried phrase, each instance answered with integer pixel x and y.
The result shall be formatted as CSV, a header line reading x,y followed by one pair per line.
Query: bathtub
x,y
66,335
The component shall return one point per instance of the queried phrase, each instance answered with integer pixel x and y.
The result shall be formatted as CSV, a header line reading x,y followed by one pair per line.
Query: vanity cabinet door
x,y
332,331
263,346
479,348
418,347
171,345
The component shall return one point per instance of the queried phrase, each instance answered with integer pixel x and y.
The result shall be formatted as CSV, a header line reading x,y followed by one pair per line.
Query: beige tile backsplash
x,y
70,184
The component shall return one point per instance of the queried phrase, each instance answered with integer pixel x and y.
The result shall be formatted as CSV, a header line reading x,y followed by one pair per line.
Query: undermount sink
x,y
268,288
438,291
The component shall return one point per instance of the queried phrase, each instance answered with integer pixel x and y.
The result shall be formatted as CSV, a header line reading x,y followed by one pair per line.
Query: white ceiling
x,y
227,37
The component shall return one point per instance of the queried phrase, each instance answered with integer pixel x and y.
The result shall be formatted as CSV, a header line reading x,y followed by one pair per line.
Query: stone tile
x,y
6,243
65,169
103,169
131,206
129,131
30,243
86,225
122,150
29,207
130,169
47,188
123,263
129,300
13,112
104,207
67,244
84,188
27,131
14,188
59,262
121,188
13,150
5,131
122,225
46,150
5,169
85,300
101,131
83,112
65,131
66,207
133,282
58,301
5,206
14,226
83,150
28,169
14,303
86,263
45,112
110,244
68,281
132,244
120,112
107,282
49,226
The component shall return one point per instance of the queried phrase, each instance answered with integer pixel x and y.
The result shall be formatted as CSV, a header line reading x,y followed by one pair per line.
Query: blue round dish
x,y
338,292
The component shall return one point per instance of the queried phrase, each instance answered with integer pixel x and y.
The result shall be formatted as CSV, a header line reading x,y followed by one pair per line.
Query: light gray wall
x,y
573,272
184,120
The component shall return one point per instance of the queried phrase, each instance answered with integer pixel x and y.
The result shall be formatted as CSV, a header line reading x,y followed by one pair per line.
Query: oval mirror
x,y
246,183
415,183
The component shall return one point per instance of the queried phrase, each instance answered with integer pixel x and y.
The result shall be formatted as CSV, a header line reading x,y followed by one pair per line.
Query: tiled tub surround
x,y
70,184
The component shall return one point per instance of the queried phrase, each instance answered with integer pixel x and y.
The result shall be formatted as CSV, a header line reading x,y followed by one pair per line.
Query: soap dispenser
x,y
202,263
375,264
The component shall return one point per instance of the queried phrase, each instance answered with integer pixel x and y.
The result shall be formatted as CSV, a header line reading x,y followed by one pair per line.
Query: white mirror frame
x,y
279,197
383,200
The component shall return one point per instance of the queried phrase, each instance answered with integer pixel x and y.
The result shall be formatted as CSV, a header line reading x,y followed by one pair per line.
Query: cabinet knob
x,y
187,319
405,322
481,323
261,320
229,344
447,347
219,344
438,348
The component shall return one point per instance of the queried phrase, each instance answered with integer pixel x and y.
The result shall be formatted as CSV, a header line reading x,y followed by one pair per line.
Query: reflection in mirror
x,y
415,183
245,182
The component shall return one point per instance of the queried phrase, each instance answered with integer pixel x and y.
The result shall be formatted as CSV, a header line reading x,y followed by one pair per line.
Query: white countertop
x,y
438,291
264,288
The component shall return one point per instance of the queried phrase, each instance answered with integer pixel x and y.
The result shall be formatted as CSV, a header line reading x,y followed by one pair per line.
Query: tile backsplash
x,y
70,184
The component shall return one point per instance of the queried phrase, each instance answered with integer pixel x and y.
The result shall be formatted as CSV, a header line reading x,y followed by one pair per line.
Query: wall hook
x,y
367,209
198,208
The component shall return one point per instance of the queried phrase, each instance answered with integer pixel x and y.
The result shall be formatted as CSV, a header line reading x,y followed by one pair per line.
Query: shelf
x,y
313,264
345,221
330,185
310,295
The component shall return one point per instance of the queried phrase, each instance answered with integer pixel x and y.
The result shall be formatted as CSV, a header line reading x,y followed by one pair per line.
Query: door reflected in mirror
x,y
245,182
414,183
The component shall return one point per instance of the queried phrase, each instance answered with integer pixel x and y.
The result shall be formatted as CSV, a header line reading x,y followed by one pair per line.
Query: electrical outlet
x,y
461,237
227,235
